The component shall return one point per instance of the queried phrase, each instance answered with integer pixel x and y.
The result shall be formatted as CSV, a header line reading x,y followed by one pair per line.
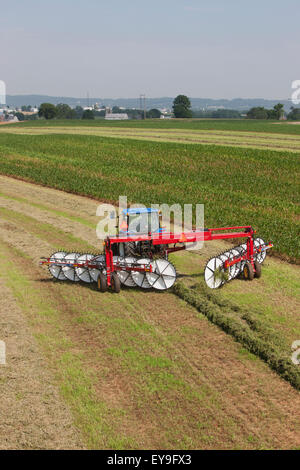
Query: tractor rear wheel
x,y
101,282
115,283
257,267
129,249
248,271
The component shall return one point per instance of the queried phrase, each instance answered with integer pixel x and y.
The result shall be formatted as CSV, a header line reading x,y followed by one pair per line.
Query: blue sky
x,y
216,49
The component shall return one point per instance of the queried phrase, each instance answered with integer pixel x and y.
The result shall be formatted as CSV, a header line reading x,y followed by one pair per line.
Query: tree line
x,y
64,111
276,113
181,109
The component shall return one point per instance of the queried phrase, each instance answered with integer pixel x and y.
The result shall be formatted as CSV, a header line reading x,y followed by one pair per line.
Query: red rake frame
x,y
167,239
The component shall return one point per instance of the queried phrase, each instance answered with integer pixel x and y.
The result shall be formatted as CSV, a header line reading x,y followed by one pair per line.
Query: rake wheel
x,y
69,270
258,243
242,249
56,269
125,276
163,274
214,273
139,277
99,261
83,272
235,254
231,270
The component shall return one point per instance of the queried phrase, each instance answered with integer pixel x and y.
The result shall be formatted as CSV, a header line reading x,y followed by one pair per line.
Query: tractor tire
x,y
257,267
115,283
116,249
101,282
248,271
130,249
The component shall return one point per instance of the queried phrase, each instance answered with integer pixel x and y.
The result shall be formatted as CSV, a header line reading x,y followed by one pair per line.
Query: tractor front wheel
x,y
248,271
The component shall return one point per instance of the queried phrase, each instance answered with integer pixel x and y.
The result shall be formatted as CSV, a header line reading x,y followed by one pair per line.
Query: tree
x,y
261,113
279,111
47,110
78,112
218,114
116,110
154,114
88,114
294,115
182,107
99,113
257,113
63,111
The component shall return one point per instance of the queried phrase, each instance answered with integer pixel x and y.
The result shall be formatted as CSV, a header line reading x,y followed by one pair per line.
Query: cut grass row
x,y
244,324
186,136
238,186
194,124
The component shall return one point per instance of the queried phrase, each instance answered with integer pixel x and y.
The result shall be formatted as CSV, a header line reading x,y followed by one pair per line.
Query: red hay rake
x,y
151,267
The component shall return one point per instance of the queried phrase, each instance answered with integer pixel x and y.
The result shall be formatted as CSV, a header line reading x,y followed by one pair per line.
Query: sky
x,y
121,49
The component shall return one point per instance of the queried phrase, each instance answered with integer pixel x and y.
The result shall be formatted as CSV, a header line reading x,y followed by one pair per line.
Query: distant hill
x,y
240,104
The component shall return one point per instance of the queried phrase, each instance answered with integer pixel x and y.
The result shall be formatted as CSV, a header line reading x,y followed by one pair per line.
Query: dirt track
x,y
209,395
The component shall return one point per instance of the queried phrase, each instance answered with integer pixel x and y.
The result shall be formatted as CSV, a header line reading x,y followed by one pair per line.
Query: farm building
x,y
116,116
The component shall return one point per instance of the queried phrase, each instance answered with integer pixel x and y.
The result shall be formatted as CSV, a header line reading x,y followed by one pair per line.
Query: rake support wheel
x,y
257,267
115,283
101,282
248,271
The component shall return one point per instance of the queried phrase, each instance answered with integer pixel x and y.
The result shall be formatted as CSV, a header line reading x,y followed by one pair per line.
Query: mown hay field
x,y
223,134
246,125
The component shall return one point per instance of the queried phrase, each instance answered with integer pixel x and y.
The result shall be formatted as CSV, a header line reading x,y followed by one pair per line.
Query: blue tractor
x,y
135,222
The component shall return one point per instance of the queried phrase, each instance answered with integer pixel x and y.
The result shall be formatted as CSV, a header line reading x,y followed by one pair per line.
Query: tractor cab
x,y
139,221
135,222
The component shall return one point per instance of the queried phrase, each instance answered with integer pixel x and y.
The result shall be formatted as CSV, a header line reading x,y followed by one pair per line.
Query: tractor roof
x,y
138,210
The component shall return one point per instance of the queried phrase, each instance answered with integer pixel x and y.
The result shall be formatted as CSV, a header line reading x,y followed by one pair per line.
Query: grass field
x,y
146,369
238,186
139,369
